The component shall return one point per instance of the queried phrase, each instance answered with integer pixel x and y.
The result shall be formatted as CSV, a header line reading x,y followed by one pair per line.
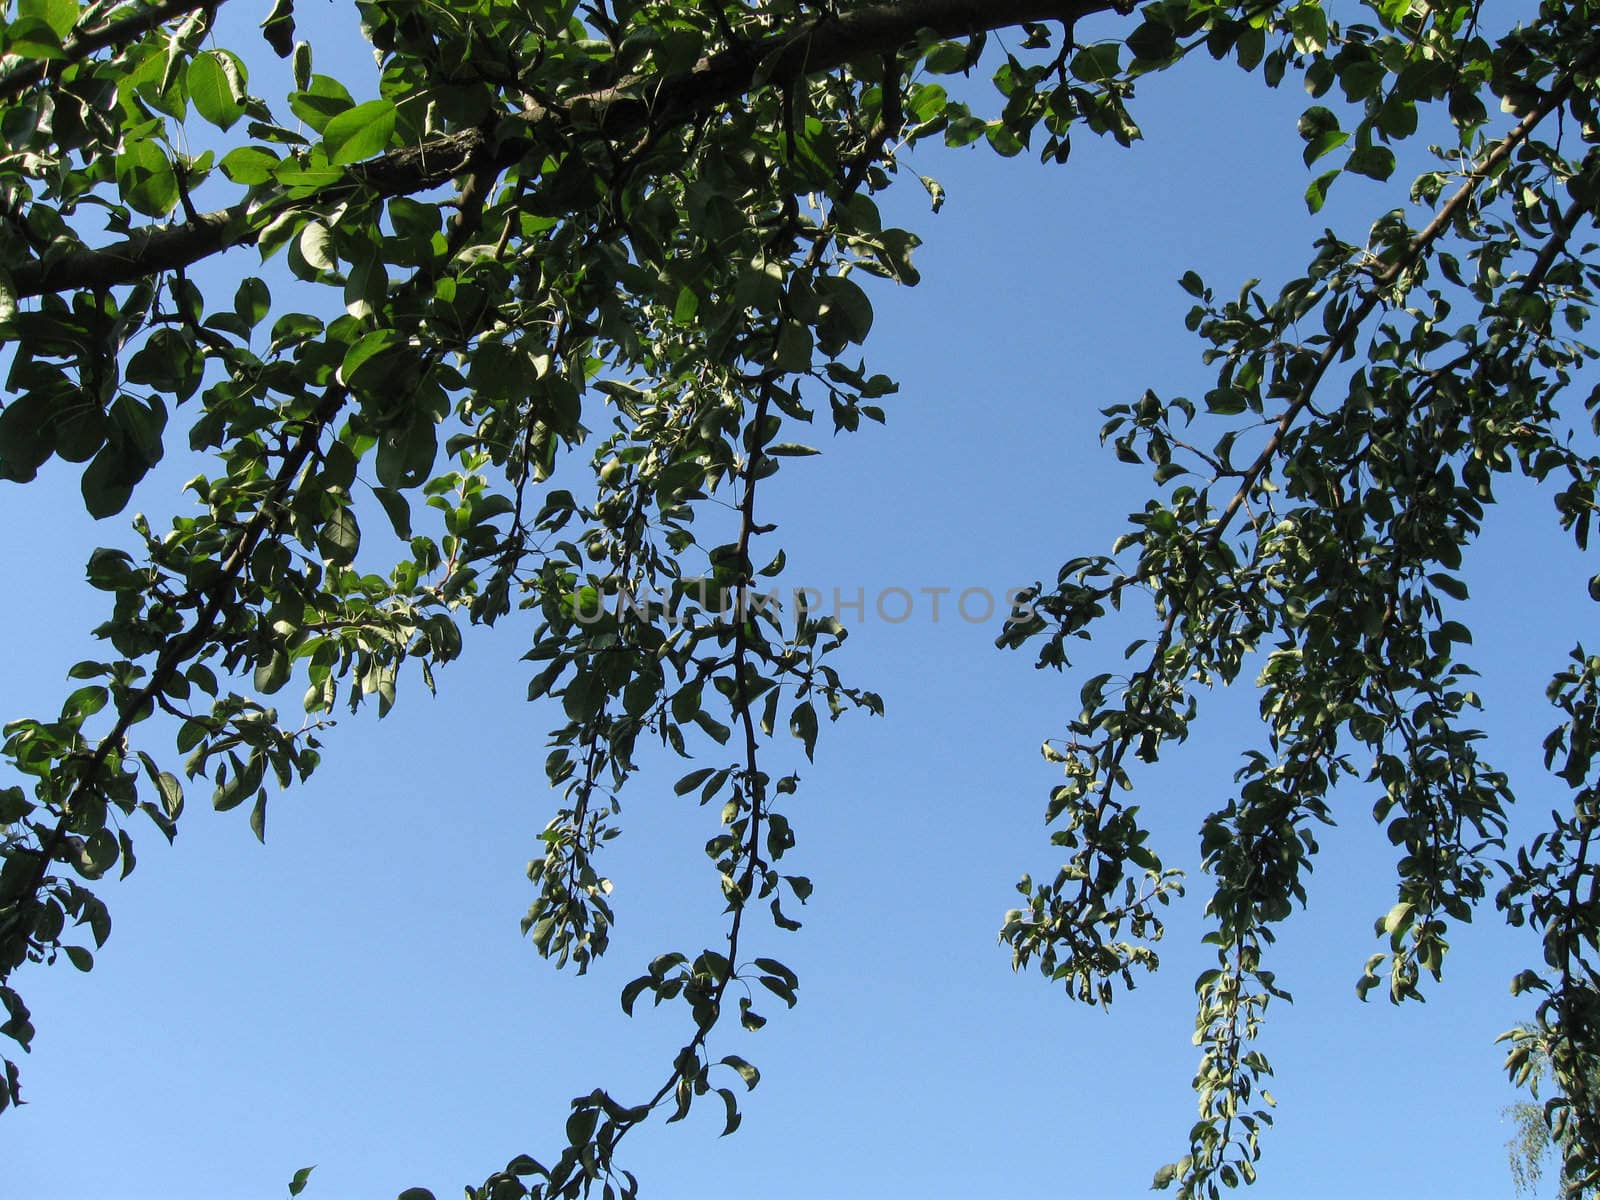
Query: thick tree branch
x,y
615,112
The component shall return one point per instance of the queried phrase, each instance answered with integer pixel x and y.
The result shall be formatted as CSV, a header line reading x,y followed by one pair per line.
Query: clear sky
x,y
356,993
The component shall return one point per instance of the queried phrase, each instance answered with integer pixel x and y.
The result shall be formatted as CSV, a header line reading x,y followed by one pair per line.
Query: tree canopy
x,y
577,276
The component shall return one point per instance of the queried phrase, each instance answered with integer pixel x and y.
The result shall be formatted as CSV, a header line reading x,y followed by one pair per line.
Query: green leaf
x,y
366,286
360,132
216,86
1375,162
100,852
748,1017
947,58
397,509
107,483
1317,190
846,312
26,440
60,15
278,30
1324,143
406,453
630,993
248,165
1096,64
252,301
368,364
1309,26
748,1073
1225,402
803,724
304,178
138,426
145,178
340,537
1004,139
33,38
231,792
1397,919
272,672
716,730
13,805
580,1128
316,247
793,351
731,1105
584,696
693,780
84,703
320,101
1153,42
99,922
80,957
685,704
171,792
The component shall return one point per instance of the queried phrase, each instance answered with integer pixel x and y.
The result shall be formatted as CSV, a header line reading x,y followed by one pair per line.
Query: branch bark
x,y
615,112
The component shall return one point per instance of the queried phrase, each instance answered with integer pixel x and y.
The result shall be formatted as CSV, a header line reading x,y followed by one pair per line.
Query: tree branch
x,y
618,111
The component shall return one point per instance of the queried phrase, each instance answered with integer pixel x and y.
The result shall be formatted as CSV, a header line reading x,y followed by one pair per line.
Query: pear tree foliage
x,y
524,331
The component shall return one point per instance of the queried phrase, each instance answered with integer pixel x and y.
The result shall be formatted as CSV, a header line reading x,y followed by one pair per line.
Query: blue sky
x,y
356,993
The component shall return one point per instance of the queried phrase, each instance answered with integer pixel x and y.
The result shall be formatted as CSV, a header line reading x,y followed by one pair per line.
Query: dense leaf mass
x,y
579,270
